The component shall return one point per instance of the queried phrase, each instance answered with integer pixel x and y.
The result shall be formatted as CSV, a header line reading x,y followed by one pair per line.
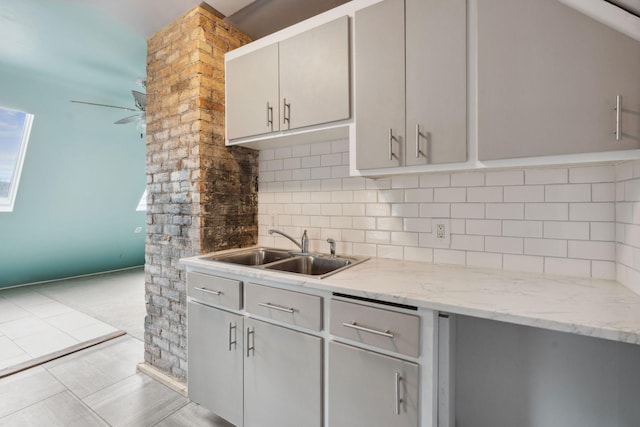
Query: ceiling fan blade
x,y
129,119
103,105
140,98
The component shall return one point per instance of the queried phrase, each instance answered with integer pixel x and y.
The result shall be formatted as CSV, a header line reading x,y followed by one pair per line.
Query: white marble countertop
x,y
598,308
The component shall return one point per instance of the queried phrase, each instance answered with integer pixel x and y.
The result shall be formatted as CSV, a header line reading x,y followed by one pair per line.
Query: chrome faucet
x,y
304,240
332,247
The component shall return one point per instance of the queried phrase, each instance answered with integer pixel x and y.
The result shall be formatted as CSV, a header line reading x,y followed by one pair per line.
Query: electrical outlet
x,y
440,232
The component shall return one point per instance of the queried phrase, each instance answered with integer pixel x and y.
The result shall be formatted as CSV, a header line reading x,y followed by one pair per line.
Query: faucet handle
x,y
332,246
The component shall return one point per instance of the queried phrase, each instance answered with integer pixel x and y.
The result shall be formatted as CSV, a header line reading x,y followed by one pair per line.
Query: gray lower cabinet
x,y
367,389
548,78
215,351
410,83
283,377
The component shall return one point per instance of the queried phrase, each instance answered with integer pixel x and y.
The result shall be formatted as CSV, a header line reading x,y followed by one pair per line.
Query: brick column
x,y
202,196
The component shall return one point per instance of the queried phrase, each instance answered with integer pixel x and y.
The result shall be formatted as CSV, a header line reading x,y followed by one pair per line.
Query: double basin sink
x,y
316,265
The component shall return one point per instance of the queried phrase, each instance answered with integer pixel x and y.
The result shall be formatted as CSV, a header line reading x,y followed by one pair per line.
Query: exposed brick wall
x,y
202,196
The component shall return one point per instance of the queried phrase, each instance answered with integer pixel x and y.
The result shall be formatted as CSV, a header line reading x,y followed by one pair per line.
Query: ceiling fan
x,y
140,101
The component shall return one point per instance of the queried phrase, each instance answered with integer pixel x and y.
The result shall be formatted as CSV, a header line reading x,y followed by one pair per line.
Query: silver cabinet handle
x,y
269,116
209,291
618,113
289,310
398,398
354,325
286,112
391,138
418,135
250,347
234,341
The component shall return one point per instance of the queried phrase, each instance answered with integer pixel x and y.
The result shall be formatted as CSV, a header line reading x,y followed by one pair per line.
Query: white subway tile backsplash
x,y
467,210
527,263
505,245
405,210
449,195
604,192
467,179
447,256
485,194
524,193
566,230
378,237
488,227
435,180
546,176
603,251
545,247
484,260
435,210
592,174
592,211
603,231
603,270
378,209
418,254
522,228
567,267
547,211
467,242
422,195
418,225
567,193
403,182
402,238
390,224
559,220
504,210
513,177
391,196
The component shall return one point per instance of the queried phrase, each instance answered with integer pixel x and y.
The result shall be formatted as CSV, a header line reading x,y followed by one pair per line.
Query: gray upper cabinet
x,y
548,77
252,106
301,81
314,76
410,83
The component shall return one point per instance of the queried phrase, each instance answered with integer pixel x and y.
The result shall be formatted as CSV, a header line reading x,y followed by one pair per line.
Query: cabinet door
x,y
379,85
548,77
283,377
436,74
215,354
252,93
314,76
367,389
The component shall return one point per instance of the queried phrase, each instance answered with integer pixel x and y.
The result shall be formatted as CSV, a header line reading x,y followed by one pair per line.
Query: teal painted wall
x,y
83,176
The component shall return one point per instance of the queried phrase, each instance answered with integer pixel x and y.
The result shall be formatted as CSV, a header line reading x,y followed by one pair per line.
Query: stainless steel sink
x,y
253,256
312,265
316,265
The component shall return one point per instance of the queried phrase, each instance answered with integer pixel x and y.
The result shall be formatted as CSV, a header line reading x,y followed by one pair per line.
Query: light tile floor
x,y
99,386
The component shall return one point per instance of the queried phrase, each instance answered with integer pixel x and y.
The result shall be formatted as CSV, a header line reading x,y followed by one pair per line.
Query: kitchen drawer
x,y
215,290
286,306
386,329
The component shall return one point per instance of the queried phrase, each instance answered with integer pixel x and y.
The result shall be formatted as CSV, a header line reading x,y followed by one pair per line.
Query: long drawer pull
x,y
618,109
289,310
209,291
354,325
